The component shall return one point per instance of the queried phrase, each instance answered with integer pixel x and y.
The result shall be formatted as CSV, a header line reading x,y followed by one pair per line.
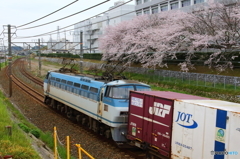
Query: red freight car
x,y
150,120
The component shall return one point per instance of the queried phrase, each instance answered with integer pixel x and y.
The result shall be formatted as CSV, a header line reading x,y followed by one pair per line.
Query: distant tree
x,y
151,39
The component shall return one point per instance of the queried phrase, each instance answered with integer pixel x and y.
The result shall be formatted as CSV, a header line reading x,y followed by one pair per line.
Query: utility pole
x,y
1,51
10,60
5,55
39,59
29,58
51,41
65,40
81,52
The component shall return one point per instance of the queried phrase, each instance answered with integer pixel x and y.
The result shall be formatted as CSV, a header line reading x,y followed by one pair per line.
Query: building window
x,y
164,7
146,11
186,3
139,12
139,2
154,9
198,1
174,5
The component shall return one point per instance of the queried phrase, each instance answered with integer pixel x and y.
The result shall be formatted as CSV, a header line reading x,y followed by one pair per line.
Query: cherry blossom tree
x,y
153,39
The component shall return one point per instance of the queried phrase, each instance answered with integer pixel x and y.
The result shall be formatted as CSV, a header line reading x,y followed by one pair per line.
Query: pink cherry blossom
x,y
153,39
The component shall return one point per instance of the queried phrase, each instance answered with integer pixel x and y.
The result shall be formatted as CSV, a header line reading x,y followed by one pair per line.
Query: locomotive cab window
x,y
119,92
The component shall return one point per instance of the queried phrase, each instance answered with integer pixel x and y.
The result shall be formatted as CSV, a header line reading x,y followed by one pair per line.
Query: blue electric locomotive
x,y
101,105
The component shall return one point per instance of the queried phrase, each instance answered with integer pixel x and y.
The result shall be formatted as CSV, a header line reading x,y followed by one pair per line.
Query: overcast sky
x,y
19,12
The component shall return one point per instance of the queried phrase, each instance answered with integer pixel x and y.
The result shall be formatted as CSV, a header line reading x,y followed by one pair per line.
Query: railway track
x,y
26,88
19,67
30,76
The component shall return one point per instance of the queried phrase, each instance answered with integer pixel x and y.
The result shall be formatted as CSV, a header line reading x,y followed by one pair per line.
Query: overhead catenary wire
x,y
66,16
47,15
52,32
96,16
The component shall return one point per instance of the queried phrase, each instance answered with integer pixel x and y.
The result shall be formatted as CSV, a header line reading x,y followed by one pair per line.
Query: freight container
x,y
206,129
180,126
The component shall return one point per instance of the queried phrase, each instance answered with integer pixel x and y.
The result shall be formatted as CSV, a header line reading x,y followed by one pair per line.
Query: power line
x,y
47,15
98,21
66,16
52,32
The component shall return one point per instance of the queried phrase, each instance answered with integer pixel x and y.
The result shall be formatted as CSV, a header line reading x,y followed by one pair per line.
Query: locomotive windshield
x,y
122,92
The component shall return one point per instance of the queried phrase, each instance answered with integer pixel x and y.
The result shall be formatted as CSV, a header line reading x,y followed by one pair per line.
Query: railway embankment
x,y
13,140
45,120
222,87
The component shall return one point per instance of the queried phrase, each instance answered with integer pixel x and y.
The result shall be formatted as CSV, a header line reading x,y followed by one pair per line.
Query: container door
x,y
148,119
136,115
162,112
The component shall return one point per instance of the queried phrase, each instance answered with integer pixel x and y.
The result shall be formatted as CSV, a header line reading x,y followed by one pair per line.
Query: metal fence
x,y
199,79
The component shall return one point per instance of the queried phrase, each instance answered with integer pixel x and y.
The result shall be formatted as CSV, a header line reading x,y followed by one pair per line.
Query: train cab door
x,y
48,82
100,105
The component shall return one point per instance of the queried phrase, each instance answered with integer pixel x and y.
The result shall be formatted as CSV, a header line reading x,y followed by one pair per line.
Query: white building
x,y
63,45
92,29
157,6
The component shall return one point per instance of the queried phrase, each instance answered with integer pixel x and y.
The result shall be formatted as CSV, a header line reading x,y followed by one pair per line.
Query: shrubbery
x,y
36,133
94,56
26,129
18,152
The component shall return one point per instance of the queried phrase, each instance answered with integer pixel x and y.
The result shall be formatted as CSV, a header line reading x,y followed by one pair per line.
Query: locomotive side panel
x,y
74,101
101,105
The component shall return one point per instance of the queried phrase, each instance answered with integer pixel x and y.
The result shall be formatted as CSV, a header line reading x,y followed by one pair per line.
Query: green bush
x,y
36,133
24,127
94,56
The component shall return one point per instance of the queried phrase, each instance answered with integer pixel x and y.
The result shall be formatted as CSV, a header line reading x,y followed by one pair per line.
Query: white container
x,y
206,129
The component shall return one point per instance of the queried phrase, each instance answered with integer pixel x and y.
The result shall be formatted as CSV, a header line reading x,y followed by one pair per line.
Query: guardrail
x,y
80,149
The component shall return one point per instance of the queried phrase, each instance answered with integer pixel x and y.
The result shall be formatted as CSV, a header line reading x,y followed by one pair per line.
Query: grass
x,y
16,144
